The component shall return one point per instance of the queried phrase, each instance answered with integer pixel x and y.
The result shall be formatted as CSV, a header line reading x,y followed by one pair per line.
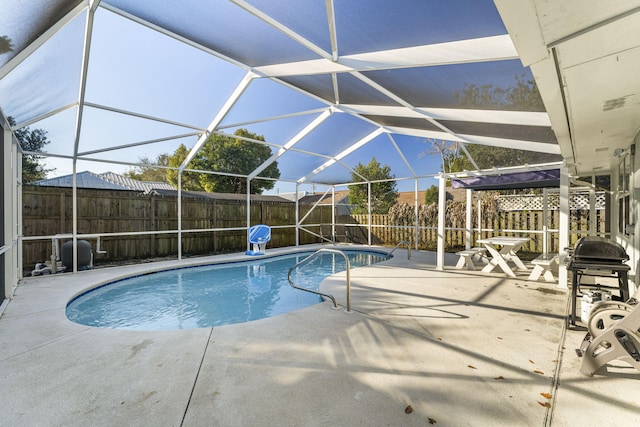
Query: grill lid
x,y
594,248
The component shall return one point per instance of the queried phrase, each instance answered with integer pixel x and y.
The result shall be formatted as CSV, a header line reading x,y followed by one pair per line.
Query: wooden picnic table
x,y
503,249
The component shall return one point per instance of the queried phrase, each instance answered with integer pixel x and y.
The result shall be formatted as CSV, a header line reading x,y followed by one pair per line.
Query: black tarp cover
x,y
517,180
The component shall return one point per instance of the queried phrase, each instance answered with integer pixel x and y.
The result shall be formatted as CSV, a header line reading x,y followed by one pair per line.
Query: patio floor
x,y
457,347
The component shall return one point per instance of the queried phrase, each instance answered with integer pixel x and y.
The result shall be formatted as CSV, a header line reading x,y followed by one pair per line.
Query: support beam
x,y
248,211
479,211
237,93
7,184
468,220
292,142
297,216
545,221
564,226
179,215
442,205
333,213
416,204
369,213
593,228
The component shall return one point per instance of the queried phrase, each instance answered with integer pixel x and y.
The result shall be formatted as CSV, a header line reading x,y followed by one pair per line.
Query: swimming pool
x,y
211,295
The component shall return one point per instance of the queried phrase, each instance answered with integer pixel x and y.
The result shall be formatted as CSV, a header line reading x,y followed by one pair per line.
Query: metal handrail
x,y
331,297
404,242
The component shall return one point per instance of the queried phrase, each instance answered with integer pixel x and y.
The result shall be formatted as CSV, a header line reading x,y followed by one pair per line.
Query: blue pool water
x,y
211,295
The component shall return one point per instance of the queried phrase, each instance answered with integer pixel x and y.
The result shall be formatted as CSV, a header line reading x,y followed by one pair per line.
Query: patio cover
x,y
510,181
328,84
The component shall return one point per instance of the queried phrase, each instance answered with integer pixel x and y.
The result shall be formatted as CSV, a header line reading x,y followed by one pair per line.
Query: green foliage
x,y
226,154
34,141
147,171
6,44
431,195
188,180
448,151
487,157
522,96
383,194
455,215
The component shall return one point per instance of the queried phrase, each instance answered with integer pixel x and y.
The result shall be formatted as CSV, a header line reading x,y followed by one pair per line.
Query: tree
x,y
226,154
31,141
431,195
523,96
487,157
6,45
383,194
147,170
448,151
188,180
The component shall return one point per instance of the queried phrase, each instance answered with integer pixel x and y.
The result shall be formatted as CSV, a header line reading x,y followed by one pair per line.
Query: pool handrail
x,y
331,297
404,242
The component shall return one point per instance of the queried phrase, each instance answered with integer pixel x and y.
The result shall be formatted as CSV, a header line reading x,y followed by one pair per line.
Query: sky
x,y
188,87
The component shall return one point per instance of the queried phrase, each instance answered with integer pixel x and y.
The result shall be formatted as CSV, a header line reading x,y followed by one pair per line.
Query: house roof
x,y
103,181
222,196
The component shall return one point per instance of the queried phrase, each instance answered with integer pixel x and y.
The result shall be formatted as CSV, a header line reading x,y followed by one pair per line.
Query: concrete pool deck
x,y
458,347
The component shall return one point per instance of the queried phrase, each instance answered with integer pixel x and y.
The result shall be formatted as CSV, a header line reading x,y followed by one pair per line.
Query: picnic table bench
x,y
467,257
543,266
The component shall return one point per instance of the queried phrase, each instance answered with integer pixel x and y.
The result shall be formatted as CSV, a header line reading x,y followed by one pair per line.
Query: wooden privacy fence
x,y
218,225
528,224
48,211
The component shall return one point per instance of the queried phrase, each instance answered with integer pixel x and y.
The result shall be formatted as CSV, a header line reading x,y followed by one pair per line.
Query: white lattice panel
x,y
533,202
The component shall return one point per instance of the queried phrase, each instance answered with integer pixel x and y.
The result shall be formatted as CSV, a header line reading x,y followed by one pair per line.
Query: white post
x,y
417,216
442,200
16,186
297,217
333,214
564,227
468,219
9,175
545,220
248,211
479,213
179,215
369,213
74,238
593,228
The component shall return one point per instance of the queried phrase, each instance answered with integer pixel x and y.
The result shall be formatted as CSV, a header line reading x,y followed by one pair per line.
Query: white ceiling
x,y
585,56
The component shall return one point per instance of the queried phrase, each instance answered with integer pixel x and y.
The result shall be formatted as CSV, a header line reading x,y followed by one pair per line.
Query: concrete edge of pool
x,y
458,348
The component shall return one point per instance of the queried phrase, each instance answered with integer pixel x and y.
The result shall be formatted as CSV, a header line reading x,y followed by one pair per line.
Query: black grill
x,y
597,256
598,250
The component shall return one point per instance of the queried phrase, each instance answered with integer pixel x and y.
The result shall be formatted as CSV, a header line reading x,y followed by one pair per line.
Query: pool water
x,y
211,295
